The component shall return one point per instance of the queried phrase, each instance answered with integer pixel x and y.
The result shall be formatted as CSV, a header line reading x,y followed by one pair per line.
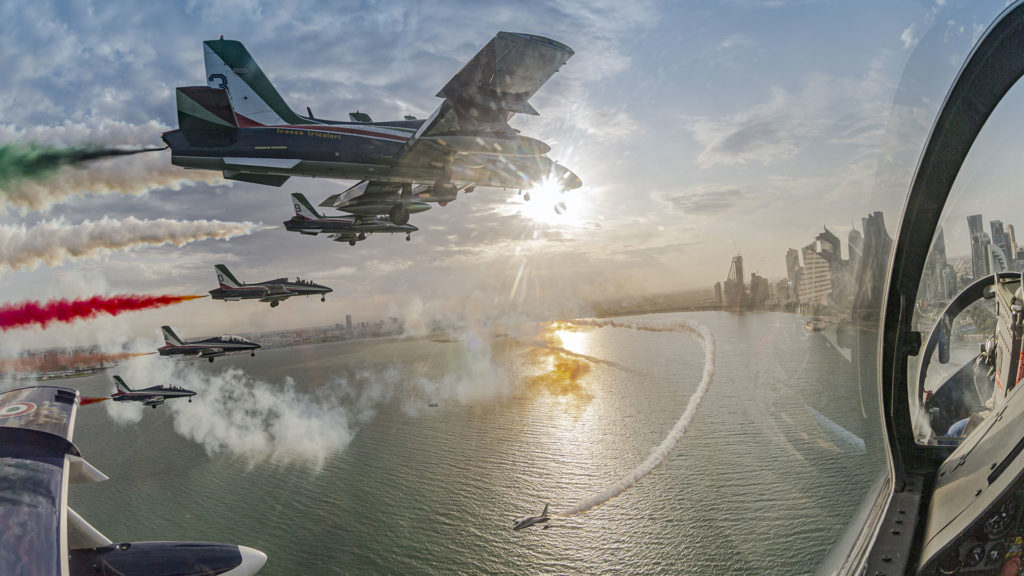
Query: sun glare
x,y
546,203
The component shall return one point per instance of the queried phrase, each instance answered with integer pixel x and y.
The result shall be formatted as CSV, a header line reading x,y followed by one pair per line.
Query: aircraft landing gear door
x,y
951,356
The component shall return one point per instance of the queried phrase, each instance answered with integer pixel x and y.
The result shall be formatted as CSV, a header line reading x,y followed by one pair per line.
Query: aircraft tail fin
x,y
303,207
254,100
121,385
170,338
204,115
226,278
545,512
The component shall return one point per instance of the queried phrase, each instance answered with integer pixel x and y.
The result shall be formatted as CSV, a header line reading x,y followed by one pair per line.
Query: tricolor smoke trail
x,y
37,162
36,176
32,313
660,453
53,241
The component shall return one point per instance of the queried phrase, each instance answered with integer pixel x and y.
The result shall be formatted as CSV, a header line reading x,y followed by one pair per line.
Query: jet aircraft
x,y
239,124
273,291
43,535
349,229
209,348
152,396
533,520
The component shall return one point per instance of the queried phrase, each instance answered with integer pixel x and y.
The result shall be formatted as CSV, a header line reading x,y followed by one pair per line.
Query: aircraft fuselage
x,y
259,290
349,151
209,347
354,152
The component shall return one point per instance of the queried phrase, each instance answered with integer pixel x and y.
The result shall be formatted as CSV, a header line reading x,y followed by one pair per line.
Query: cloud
x,y
707,200
825,109
908,37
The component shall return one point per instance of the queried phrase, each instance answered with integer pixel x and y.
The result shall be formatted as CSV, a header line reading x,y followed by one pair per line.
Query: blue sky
x,y
698,128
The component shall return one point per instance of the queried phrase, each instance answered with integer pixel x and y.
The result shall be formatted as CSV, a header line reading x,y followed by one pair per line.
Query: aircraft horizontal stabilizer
x,y
81,471
81,534
331,201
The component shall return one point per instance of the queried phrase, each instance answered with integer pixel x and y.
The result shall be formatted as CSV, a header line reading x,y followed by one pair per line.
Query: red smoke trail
x,y
92,400
67,311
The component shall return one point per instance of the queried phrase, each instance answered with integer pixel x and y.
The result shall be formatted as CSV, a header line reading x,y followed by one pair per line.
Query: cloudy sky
x,y
700,129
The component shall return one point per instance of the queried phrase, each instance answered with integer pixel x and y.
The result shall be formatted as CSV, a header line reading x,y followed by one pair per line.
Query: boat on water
x,y
815,324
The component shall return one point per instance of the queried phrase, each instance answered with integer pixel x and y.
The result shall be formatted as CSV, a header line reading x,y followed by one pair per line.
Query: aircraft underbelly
x,y
356,158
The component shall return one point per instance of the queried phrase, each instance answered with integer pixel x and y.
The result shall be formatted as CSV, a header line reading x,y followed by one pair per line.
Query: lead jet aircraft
x,y
349,229
41,534
239,124
152,396
273,291
533,520
209,348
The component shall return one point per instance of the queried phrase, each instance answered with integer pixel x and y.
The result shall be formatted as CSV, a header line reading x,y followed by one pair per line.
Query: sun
x,y
546,203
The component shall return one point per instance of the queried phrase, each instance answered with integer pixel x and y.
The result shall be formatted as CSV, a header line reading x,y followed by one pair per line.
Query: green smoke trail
x,y
38,162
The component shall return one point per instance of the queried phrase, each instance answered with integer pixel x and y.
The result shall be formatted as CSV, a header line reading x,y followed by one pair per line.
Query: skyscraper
x,y
815,279
979,247
999,239
734,288
855,248
874,265
829,246
760,290
1011,240
793,272
938,282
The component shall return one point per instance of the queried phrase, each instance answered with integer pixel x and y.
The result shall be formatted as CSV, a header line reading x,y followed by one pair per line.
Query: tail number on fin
x,y
223,81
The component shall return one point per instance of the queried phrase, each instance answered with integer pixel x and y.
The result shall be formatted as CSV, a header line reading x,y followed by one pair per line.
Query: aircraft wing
x,y
37,459
211,352
153,401
276,292
40,534
364,191
478,102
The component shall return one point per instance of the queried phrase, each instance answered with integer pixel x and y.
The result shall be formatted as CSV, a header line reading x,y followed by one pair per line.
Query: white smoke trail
x,y
660,453
52,242
241,416
132,175
127,175
236,414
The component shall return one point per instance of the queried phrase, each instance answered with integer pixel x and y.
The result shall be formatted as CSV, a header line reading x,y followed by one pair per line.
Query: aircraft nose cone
x,y
252,561
328,290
